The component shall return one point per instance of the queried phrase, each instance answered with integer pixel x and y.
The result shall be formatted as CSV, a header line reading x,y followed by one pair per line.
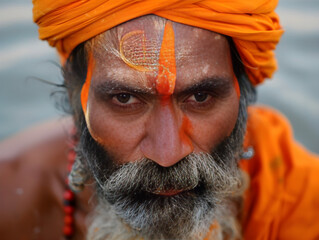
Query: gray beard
x,y
130,208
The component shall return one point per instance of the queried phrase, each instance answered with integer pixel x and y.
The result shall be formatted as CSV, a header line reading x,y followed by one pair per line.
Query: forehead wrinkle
x,y
188,38
107,43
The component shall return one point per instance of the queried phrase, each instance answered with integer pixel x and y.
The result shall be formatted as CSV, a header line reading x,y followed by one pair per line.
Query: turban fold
x,y
253,24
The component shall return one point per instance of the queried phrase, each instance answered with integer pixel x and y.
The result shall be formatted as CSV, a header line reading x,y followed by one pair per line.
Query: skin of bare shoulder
x,y
33,167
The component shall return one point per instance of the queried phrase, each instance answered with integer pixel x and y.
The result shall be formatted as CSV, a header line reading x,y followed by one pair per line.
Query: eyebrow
x,y
219,85
111,86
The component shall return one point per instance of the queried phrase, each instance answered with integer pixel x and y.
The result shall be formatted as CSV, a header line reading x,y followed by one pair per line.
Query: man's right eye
x,y
124,99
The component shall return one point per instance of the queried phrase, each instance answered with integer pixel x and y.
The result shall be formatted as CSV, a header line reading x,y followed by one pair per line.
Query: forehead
x,y
130,53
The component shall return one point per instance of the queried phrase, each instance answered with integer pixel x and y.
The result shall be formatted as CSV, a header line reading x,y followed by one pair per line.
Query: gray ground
x,y
293,90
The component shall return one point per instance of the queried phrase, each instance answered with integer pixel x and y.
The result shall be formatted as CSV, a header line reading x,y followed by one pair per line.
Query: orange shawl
x,y
253,24
282,201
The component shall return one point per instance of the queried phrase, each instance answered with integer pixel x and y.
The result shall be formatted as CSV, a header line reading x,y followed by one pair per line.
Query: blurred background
x,y
294,90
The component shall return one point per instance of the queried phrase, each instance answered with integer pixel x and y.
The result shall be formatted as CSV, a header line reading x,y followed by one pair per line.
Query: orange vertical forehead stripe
x,y
165,82
86,85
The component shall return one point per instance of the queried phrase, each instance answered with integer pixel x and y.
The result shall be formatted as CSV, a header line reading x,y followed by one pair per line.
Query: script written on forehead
x,y
144,55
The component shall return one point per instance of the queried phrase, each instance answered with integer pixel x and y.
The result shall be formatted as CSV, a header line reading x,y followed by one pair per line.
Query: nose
x,y
167,139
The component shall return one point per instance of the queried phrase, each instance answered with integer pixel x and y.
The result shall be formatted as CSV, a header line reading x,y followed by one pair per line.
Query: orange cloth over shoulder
x,y
282,201
253,24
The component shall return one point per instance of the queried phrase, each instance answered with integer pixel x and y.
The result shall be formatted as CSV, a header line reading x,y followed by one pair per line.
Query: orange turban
x,y
253,24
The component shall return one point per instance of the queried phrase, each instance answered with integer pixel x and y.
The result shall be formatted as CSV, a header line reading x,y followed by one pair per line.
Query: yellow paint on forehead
x,y
138,52
166,78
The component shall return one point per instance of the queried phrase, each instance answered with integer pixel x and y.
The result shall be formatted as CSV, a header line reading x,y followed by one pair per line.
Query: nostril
x,y
165,152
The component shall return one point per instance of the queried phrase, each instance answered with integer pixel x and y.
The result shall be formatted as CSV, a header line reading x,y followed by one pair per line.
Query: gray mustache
x,y
150,177
145,175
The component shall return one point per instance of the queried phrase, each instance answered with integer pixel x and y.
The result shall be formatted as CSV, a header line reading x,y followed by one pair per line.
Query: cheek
x,y
209,130
120,139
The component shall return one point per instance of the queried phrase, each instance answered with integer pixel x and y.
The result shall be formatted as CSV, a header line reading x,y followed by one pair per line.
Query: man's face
x,y
161,138
129,116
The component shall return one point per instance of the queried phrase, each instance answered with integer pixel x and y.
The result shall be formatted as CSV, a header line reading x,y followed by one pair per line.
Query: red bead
x,y
70,165
68,210
68,219
68,195
68,230
71,156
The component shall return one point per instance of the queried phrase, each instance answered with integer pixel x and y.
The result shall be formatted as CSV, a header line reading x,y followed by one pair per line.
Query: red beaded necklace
x,y
69,198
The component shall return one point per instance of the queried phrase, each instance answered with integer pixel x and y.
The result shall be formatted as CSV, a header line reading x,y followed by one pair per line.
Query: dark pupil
x,y
123,97
200,97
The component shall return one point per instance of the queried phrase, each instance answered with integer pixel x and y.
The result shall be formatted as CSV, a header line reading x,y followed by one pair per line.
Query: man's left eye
x,y
199,97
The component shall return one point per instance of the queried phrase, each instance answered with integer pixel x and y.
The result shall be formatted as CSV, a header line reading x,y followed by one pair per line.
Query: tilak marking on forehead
x,y
166,78
138,52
